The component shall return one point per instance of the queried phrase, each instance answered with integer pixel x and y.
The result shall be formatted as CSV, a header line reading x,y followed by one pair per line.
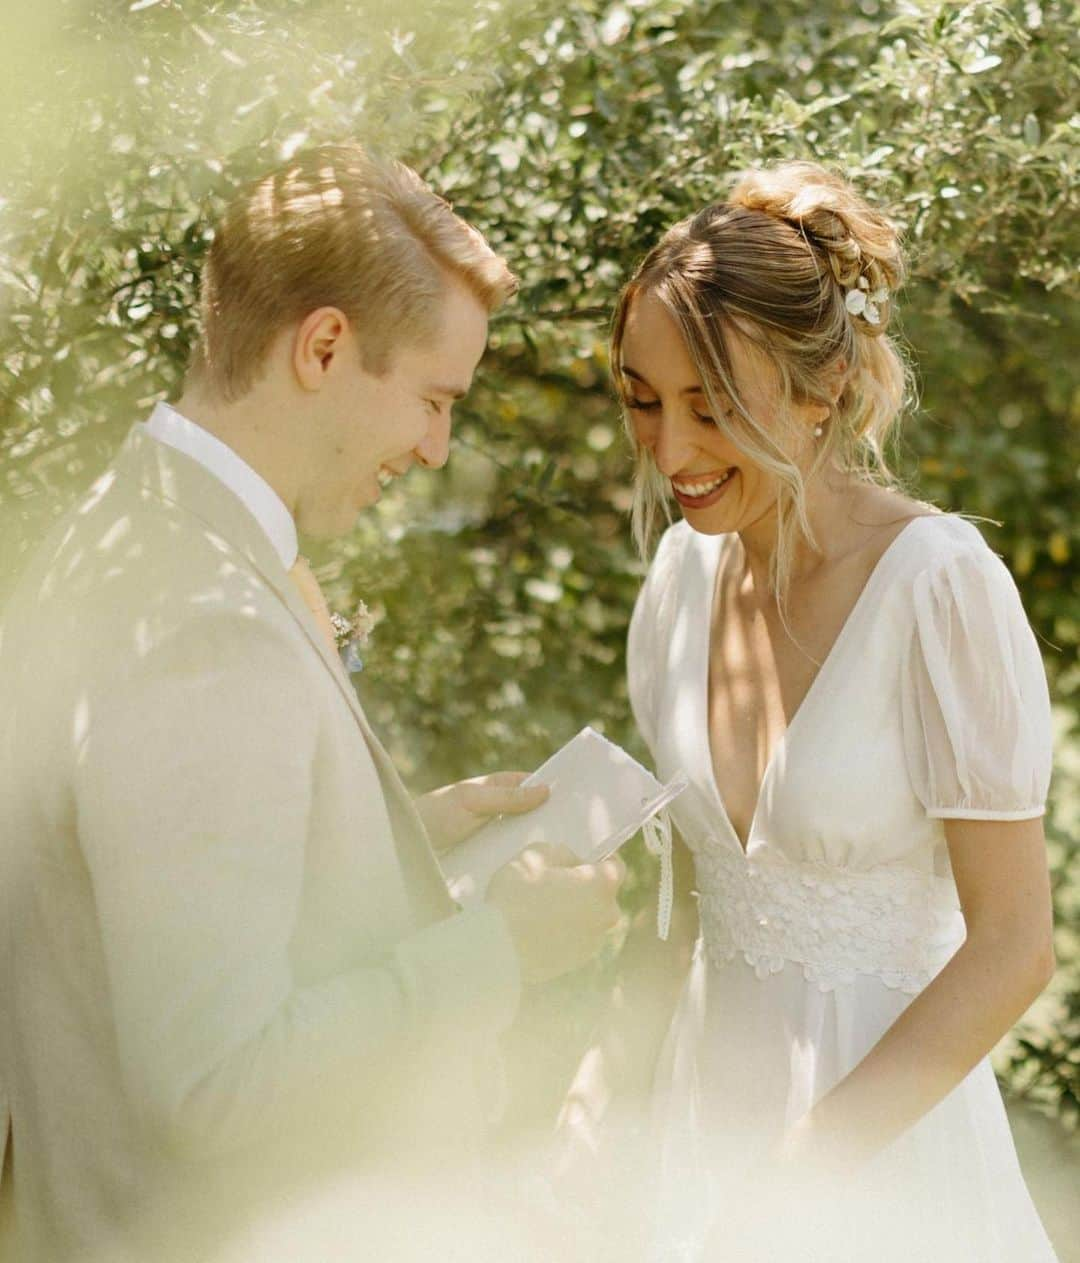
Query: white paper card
x,y
600,797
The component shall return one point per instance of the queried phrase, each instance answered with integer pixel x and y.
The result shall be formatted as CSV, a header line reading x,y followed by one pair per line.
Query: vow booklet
x,y
600,797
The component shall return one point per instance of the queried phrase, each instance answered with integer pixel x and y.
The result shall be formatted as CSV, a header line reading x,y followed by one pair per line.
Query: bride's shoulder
x,y
674,539
929,534
680,547
660,587
668,555
948,566
938,538
927,555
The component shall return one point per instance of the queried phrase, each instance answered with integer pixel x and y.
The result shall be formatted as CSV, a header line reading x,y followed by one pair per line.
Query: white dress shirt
x,y
258,497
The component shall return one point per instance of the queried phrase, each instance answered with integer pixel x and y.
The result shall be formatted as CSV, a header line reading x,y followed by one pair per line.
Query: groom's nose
x,y
433,450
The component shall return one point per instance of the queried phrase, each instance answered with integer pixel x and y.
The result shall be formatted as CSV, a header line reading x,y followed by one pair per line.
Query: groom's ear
x,y
319,337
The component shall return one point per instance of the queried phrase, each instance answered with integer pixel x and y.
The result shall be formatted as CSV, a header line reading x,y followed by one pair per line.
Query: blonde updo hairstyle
x,y
775,263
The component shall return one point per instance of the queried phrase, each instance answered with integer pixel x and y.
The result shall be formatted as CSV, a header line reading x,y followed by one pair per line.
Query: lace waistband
x,y
895,923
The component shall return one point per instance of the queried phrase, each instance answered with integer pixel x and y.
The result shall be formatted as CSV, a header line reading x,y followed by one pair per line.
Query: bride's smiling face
x,y
717,486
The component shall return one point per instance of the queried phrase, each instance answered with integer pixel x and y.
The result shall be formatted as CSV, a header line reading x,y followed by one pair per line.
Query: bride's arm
x,y
1005,962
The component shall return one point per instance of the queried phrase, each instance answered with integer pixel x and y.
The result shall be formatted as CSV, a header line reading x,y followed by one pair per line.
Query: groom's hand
x,y
453,813
559,910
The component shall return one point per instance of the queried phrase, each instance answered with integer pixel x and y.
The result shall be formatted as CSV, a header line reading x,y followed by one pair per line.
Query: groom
x,y
229,967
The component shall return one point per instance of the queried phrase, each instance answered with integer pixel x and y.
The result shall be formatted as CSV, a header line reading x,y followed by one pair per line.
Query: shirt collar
x,y
258,497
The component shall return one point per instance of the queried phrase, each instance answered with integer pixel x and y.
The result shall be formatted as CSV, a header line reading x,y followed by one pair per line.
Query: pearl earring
x,y
819,430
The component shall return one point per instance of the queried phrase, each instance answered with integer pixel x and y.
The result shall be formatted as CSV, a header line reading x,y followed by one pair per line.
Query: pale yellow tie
x,y
308,586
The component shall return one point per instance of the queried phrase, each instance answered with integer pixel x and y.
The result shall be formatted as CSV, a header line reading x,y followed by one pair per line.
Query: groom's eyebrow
x,y
686,390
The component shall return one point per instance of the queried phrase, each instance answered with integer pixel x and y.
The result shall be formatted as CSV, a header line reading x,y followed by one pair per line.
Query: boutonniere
x,y
352,636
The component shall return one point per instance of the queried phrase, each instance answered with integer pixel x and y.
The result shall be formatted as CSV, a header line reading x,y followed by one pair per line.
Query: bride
x,y
848,679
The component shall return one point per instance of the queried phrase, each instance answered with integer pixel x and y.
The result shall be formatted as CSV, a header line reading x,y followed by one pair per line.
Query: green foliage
x,y
572,136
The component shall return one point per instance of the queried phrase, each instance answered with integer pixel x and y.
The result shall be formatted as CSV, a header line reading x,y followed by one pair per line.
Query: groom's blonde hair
x,y
336,226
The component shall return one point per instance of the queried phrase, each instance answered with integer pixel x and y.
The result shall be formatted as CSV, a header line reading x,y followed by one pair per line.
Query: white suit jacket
x,y
227,957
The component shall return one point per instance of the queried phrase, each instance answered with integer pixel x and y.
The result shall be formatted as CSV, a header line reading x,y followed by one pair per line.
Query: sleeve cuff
x,y
461,973
973,813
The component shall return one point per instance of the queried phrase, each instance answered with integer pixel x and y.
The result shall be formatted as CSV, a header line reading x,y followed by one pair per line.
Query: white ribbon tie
x,y
657,833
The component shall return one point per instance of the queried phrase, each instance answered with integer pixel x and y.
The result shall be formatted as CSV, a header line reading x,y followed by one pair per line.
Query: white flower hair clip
x,y
861,301
353,636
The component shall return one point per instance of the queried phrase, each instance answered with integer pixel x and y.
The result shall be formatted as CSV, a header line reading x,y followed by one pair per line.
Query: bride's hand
x,y
796,1146
454,812
808,1147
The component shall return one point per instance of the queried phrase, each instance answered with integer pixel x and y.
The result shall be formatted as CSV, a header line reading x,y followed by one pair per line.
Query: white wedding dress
x,y
932,703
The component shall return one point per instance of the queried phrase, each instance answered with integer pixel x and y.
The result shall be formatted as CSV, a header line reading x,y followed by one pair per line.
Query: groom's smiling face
x,y
373,428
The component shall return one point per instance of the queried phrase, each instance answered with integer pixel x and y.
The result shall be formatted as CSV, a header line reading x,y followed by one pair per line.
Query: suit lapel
x,y
179,480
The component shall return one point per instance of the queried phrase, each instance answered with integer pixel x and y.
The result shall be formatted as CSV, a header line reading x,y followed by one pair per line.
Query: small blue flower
x,y
350,657
353,636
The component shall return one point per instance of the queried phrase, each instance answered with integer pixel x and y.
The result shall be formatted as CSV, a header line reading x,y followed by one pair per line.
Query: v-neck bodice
x,y
896,731
840,647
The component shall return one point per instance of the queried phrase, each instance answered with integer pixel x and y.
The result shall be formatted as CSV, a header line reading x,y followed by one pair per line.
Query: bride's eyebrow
x,y
636,376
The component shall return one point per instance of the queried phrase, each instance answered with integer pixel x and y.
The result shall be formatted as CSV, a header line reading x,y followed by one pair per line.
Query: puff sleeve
x,y
647,637
976,710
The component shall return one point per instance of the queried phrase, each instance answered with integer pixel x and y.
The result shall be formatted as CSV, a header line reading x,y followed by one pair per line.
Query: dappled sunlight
x,y
115,534
97,493
80,725
572,136
142,637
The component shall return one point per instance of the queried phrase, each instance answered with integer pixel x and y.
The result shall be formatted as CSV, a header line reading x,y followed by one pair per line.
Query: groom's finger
x,y
502,778
614,869
551,855
499,800
610,872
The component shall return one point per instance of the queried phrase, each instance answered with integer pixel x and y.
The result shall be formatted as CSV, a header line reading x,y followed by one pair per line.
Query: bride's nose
x,y
672,447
